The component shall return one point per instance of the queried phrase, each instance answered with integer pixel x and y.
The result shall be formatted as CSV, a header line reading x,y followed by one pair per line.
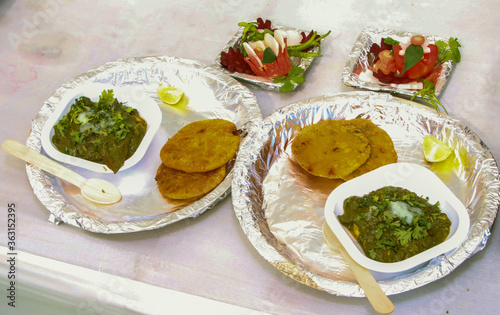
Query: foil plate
x,y
260,82
281,207
361,49
211,93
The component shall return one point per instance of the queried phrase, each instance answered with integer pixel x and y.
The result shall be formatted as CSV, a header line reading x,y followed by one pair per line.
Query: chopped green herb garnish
x,y
448,51
428,95
390,41
294,77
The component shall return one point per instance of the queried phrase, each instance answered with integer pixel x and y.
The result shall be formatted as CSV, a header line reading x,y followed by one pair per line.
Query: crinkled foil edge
x,y
247,196
61,210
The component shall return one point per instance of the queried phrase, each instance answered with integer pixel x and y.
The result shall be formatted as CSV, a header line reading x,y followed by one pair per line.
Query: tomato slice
x,y
280,67
434,75
422,68
400,60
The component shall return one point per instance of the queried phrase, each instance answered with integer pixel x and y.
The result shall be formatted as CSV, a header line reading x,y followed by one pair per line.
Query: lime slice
x,y
170,94
435,150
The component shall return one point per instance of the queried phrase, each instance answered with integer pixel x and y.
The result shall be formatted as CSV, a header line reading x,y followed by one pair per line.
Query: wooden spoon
x,y
94,189
373,292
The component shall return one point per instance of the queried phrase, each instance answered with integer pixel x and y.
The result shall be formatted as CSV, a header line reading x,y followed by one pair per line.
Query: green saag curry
x,y
105,132
392,223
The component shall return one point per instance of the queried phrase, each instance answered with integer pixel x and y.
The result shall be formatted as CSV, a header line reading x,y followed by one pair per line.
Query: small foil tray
x,y
211,93
281,207
361,49
263,83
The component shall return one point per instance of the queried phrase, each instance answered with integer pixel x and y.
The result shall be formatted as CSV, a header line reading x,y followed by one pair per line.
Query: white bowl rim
x,y
415,178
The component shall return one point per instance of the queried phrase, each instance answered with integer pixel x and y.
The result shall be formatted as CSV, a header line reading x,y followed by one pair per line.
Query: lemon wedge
x,y
170,94
435,150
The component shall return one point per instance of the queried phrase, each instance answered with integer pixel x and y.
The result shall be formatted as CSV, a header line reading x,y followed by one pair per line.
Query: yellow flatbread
x,y
201,146
176,184
382,148
331,148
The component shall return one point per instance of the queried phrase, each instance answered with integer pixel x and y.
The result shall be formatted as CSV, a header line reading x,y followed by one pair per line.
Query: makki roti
x,y
175,184
382,148
201,146
331,148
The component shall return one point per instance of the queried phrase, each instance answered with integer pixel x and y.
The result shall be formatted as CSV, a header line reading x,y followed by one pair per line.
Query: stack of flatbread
x,y
194,159
343,149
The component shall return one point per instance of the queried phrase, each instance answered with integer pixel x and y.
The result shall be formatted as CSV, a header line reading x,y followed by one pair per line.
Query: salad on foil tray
x,y
414,63
268,53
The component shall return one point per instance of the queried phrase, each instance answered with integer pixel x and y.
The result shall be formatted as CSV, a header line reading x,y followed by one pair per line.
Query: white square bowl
x,y
415,178
130,96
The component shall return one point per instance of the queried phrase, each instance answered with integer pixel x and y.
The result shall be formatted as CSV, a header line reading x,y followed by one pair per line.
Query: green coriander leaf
x,y
76,137
413,54
389,216
419,232
106,99
360,216
448,51
404,236
281,79
391,41
454,44
372,254
442,48
385,243
293,78
296,71
287,87
428,94
298,79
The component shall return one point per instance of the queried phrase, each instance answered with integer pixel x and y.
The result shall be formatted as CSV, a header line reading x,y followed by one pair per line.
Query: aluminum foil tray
x,y
361,49
281,207
263,83
211,93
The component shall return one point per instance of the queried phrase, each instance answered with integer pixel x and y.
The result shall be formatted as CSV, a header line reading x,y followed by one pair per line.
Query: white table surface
x,y
44,44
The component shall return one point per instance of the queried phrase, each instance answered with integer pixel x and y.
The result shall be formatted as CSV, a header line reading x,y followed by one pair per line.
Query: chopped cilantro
x,y
428,94
403,236
294,77
390,41
448,51
77,137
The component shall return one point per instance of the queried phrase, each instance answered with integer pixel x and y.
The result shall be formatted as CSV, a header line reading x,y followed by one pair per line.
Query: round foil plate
x,y
211,94
281,207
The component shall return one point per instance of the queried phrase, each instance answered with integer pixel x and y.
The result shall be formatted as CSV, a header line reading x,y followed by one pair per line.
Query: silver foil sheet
x,y
211,93
281,207
263,83
361,49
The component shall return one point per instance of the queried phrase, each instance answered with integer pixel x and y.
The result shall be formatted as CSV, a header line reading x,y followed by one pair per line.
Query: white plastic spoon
x,y
94,189
378,299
